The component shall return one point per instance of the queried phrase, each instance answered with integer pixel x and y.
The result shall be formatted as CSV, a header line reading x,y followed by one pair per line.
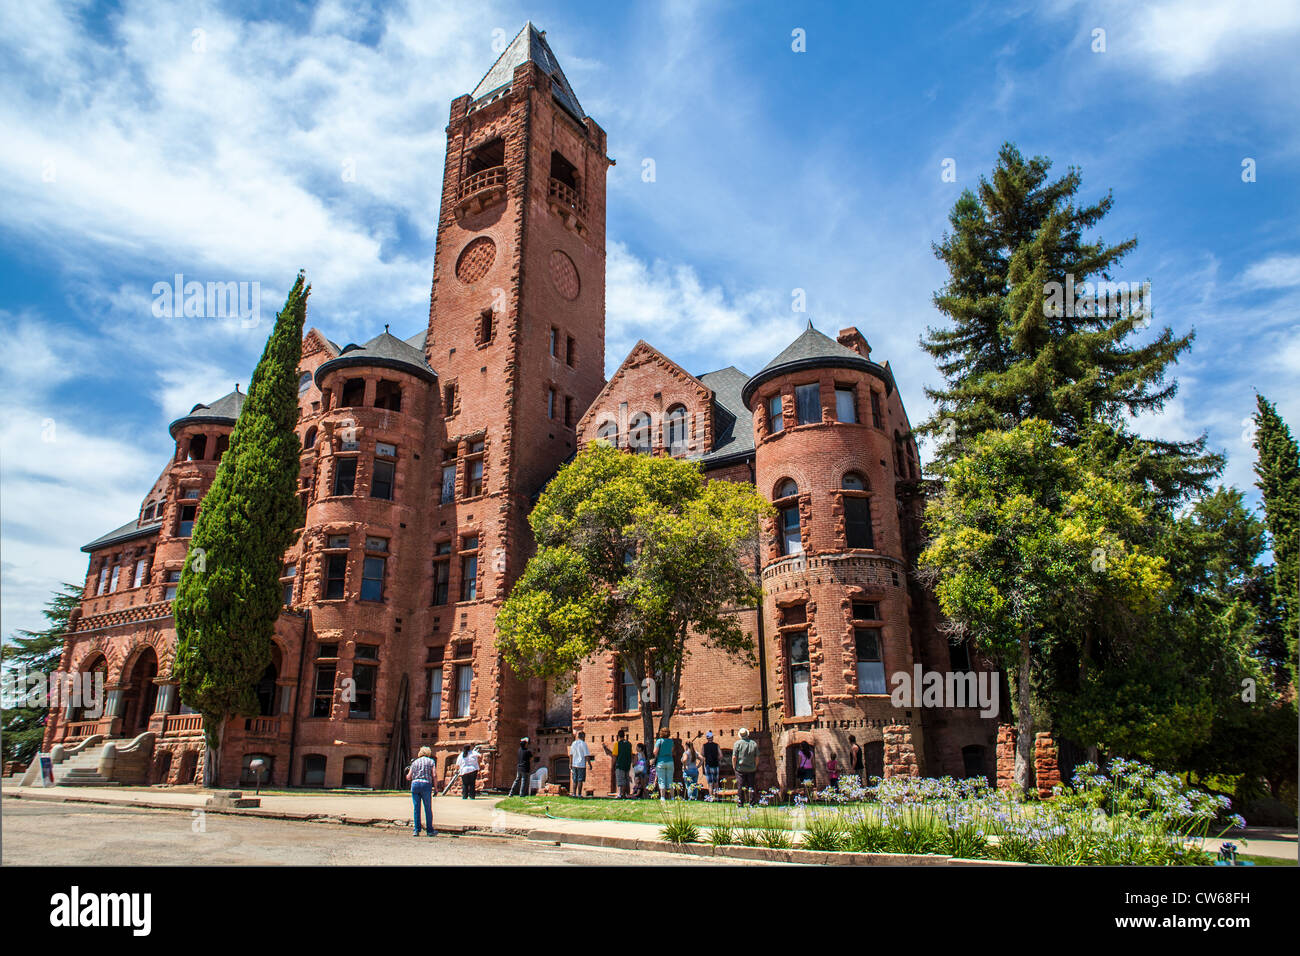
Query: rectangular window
x,y
381,482
287,594
550,403
570,351
441,571
791,539
775,413
372,579
323,691
568,411
337,541
877,418
449,399
186,526
555,342
377,544
857,522
464,680
345,475
112,582
190,493
808,403
448,484
173,579
871,669
866,611
365,678
102,587
629,693
846,406
327,650
141,569
435,693
959,657
469,572
474,480
336,572
485,327
384,450
800,675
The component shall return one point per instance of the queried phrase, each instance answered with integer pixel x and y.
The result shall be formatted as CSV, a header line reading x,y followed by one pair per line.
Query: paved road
x,y
88,835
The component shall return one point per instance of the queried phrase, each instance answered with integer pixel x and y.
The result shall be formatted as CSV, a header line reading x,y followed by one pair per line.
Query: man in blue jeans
x,y
712,763
421,776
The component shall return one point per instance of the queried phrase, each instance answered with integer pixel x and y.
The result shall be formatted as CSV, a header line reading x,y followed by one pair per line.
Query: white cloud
x,y
1275,272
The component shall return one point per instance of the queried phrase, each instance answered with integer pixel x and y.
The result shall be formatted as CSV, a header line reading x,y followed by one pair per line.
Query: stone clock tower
x,y
516,328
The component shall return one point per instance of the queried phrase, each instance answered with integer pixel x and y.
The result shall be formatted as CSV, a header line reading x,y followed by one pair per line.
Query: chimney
x,y
851,338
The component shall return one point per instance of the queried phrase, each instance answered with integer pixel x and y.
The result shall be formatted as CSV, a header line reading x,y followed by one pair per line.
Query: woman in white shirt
x,y
467,767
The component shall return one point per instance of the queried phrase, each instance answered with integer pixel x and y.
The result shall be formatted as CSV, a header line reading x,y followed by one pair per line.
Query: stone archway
x,y
139,692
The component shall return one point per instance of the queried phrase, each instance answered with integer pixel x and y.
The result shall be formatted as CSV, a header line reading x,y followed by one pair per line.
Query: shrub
x,y
678,826
824,831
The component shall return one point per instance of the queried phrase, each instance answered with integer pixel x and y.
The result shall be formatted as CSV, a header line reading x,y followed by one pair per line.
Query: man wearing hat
x,y
523,770
744,757
712,756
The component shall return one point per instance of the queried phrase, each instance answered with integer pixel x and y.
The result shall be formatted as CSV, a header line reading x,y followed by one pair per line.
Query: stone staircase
x,y
82,770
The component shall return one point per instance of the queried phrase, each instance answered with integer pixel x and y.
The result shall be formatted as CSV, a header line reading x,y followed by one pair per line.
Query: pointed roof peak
x,y
529,44
811,349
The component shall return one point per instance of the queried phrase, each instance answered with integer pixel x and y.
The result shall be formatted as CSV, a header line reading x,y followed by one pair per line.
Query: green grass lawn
x,y
595,808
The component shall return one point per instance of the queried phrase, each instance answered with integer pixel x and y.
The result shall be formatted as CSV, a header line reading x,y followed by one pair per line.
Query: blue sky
x,y
135,148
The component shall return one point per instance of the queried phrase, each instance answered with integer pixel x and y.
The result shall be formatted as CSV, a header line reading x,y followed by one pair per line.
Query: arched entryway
x,y
86,700
139,693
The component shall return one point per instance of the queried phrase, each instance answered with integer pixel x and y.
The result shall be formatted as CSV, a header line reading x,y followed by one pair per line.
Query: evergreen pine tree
x,y
1009,355
1277,467
229,594
34,652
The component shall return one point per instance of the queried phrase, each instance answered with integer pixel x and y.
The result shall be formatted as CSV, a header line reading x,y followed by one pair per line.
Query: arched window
x,y
609,432
677,430
263,776
356,771
304,382
309,439
198,447
638,433
853,481
313,770
786,488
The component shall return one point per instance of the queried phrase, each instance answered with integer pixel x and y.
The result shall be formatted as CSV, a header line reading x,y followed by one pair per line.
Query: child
x,y
833,771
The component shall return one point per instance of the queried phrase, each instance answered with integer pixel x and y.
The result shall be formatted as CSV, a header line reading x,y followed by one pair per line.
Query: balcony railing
x,y
483,179
184,724
80,729
565,195
262,726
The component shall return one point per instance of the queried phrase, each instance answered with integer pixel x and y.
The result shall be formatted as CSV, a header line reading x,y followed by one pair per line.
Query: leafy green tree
x,y
229,594
1008,355
34,653
1277,467
640,557
1028,542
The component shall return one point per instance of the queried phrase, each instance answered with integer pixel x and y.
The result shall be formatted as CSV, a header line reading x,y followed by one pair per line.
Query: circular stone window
x,y
476,259
565,275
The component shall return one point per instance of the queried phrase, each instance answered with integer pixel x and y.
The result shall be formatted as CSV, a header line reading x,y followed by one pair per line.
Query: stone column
x,y
900,755
1006,757
1047,771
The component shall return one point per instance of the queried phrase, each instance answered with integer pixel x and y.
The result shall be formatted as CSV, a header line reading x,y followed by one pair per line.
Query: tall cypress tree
x,y
1278,469
229,594
1008,356
35,652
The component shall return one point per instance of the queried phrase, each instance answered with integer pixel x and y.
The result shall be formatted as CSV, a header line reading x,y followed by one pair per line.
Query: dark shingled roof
x,y
133,529
224,411
528,44
733,432
812,349
384,350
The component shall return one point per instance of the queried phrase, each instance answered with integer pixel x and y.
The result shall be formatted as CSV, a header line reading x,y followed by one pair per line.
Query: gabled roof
x,y
128,531
813,349
528,44
224,411
384,350
733,424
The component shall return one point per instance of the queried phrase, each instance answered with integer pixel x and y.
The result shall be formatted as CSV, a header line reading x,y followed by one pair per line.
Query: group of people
x,y
637,771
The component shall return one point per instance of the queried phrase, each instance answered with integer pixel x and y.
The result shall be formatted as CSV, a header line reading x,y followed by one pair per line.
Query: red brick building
x,y
421,459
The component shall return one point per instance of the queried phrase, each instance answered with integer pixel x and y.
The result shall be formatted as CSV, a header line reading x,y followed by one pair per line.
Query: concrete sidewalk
x,y
454,814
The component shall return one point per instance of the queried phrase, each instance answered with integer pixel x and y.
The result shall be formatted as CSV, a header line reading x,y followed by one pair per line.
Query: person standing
x,y
833,772
744,758
420,773
664,762
855,760
640,772
807,776
622,754
712,762
523,770
467,765
691,771
579,758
